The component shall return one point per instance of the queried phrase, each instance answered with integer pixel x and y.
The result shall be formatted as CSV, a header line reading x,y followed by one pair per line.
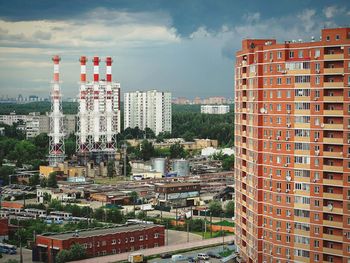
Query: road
x,y
160,250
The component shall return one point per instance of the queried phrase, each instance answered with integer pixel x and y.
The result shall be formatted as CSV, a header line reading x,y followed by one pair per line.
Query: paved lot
x,y
159,250
194,254
27,256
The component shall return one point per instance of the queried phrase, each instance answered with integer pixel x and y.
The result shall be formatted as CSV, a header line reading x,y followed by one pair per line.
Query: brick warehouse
x,y
101,241
292,139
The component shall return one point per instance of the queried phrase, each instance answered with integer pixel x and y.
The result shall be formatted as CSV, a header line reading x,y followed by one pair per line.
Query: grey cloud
x,y
42,35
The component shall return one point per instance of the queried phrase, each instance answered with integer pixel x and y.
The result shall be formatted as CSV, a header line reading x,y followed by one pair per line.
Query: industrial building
x,y
99,114
177,194
215,109
292,142
149,109
99,242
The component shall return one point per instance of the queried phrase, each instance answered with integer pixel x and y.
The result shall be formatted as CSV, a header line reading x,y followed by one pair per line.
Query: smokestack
x,y
109,69
83,61
96,62
56,68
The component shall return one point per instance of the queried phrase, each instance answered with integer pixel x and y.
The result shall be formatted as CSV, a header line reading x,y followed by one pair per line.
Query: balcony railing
x,y
333,112
333,98
333,56
333,84
333,70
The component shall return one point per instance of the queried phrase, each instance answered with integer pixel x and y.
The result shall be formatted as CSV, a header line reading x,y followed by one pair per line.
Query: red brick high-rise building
x,y
292,138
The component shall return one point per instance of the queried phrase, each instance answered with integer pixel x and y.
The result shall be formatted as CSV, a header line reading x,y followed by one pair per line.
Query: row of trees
x,y
216,209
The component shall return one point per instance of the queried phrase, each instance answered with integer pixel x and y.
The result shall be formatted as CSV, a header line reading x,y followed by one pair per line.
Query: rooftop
x,y
102,231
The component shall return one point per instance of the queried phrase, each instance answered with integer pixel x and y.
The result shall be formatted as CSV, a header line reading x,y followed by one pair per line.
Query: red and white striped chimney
x,y
56,68
96,62
83,61
109,69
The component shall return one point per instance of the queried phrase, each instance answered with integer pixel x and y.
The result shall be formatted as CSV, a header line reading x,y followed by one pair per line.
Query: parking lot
x,y
194,253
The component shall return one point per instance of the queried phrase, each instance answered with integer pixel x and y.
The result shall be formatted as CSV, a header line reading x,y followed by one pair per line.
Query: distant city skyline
x,y
186,47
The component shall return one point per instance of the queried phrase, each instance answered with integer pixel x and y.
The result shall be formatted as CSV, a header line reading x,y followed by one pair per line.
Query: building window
x,y
300,54
104,243
114,251
114,242
279,54
327,38
156,235
140,238
291,54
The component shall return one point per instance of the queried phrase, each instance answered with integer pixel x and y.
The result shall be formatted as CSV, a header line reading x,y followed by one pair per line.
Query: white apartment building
x,y
215,109
148,109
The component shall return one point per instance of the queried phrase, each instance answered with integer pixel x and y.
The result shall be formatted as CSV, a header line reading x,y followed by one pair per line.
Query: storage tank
x,y
181,167
159,165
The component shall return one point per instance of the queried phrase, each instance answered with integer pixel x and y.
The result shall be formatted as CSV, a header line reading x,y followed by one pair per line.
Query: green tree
x,y
99,214
43,182
34,179
147,150
177,151
52,180
188,136
69,147
5,171
63,256
77,251
114,215
215,208
134,197
230,209
110,169
228,163
23,152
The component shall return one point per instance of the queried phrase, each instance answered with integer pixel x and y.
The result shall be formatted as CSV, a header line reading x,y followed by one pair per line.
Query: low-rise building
x,y
178,194
98,242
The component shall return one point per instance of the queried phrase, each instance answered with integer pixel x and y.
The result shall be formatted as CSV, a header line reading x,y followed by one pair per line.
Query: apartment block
x,y
148,109
292,139
215,109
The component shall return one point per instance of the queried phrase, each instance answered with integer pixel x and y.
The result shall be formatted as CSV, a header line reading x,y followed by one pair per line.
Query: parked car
x,y
165,255
203,256
213,255
178,257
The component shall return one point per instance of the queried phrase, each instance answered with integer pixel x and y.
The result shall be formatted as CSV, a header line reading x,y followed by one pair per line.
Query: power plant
x,y
56,135
98,115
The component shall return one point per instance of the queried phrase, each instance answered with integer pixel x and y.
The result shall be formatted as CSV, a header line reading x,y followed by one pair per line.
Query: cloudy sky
x,y
184,46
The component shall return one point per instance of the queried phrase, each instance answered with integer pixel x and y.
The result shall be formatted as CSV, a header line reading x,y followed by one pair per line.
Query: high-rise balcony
x,y
338,224
333,168
244,87
332,154
333,140
333,70
333,196
332,126
333,112
333,98
338,84
333,210
302,85
333,182
333,251
333,56
299,71
336,238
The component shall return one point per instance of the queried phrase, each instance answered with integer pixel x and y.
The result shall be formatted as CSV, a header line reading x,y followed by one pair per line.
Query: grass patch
x,y
226,253
224,223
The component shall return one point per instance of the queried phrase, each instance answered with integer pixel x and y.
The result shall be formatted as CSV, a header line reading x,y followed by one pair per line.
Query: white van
x,y
177,258
203,256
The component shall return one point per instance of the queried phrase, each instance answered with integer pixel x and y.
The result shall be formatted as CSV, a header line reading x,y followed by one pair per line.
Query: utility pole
x,y
167,233
211,225
188,231
124,147
222,232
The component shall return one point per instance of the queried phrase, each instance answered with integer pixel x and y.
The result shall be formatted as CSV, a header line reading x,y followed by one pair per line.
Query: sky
x,y
183,46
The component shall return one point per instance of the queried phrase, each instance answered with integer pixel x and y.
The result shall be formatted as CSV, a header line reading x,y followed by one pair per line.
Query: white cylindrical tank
x,y
181,167
159,165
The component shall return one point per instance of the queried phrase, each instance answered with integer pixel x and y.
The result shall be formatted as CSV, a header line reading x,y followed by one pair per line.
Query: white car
x,y
202,256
